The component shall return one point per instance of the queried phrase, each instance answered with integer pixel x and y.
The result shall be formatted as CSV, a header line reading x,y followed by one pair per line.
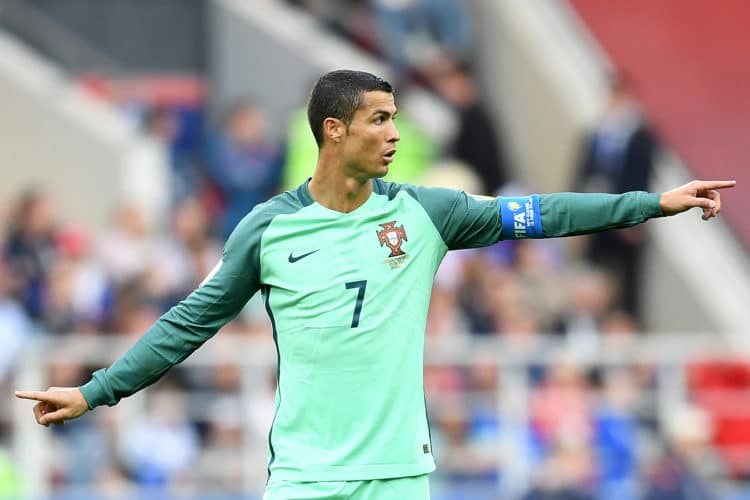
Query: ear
x,y
334,129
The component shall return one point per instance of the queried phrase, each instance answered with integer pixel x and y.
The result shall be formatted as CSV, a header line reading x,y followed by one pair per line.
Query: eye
x,y
379,120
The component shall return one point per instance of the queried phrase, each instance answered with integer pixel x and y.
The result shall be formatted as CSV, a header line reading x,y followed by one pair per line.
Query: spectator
x,y
90,289
618,156
560,407
619,334
540,267
125,247
681,473
566,474
350,18
163,444
616,436
139,302
126,252
58,314
480,273
477,138
30,248
460,460
146,180
499,438
78,293
589,301
183,259
243,162
15,325
416,34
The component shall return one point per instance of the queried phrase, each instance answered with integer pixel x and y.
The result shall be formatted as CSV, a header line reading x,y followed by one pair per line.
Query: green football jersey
x,y
347,294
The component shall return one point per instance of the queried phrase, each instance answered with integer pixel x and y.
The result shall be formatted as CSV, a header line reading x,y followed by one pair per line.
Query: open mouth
x,y
388,156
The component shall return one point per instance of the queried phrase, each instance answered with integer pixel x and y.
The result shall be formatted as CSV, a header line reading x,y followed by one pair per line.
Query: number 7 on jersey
x,y
361,285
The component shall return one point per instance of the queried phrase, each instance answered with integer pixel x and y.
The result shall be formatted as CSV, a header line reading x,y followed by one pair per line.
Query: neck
x,y
334,188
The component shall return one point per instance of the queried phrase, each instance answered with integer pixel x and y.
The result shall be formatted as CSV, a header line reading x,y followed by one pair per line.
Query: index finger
x,y
35,395
716,184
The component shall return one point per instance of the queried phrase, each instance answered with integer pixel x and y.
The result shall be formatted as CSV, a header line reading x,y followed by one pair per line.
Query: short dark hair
x,y
339,94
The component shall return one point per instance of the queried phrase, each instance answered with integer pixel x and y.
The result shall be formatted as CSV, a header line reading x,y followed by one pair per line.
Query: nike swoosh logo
x,y
293,259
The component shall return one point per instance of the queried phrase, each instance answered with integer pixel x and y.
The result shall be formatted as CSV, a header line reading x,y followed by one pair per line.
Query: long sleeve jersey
x,y
347,295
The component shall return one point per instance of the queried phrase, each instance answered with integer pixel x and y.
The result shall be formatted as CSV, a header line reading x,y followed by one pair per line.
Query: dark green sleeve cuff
x,y
98,391
651,205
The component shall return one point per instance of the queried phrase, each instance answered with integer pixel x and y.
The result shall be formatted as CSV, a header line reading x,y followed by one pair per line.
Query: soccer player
x,y
345,264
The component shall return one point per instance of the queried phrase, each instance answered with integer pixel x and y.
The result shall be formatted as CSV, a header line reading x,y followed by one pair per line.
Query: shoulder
x,y
252,226
421,194
386,188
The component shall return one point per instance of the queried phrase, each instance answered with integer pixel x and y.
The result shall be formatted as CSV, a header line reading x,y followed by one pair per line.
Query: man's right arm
x,y
185,327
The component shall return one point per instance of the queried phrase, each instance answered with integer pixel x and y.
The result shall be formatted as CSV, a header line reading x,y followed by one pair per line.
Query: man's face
x,y
370,141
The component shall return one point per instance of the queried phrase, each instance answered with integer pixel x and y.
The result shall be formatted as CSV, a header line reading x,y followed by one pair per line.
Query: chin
x,y
379,171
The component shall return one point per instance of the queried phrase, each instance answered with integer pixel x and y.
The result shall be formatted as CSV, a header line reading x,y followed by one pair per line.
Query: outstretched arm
x,y
568,214
170,340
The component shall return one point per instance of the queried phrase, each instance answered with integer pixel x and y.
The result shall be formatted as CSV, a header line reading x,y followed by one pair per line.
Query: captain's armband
x,y
521,217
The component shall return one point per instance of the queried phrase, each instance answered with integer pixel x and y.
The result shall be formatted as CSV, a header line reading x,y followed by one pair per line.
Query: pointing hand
x,y
56,405
703,194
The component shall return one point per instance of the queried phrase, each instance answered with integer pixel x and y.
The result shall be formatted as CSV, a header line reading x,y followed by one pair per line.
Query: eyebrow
x,y
384,112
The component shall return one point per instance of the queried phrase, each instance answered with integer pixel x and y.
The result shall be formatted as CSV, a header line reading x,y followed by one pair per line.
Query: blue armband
x,y
521,217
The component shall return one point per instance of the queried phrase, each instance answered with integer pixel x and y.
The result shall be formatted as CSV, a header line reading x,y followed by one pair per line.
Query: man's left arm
x,y
568,214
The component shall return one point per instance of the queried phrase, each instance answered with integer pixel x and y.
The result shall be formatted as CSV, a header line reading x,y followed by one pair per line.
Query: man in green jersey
x,y
345,264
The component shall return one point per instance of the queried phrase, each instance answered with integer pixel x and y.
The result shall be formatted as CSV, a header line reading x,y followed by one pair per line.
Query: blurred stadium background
x,y
134,134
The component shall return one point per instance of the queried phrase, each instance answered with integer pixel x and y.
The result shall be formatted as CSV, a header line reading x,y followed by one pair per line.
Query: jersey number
x,y
361,285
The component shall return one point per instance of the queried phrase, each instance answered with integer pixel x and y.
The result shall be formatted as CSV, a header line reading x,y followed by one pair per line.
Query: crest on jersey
x,y
392,237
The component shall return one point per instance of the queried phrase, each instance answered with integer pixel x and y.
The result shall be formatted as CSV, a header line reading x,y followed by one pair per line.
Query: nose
x,y
393,135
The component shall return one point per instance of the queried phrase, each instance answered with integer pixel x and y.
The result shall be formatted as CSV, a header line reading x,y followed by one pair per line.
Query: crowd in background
x,y
590,432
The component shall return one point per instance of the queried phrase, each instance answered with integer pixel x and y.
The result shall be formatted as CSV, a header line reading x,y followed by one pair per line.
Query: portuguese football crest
x,y
392,237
